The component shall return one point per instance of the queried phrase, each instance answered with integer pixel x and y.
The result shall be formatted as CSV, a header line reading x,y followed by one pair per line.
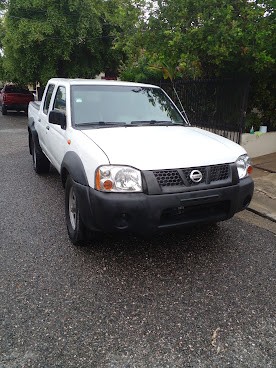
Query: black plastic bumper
x,y
17,107
140,213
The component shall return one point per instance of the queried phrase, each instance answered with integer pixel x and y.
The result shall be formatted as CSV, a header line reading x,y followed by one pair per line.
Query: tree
x,y
2,11
209,38
65,39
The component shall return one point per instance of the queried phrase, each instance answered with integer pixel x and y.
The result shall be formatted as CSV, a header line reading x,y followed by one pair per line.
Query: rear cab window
x,y
48,97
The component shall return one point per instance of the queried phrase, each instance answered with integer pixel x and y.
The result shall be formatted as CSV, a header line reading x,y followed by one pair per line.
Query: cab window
x,y
48,98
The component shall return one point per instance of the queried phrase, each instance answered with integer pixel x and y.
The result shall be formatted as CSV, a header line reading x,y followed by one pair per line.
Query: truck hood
x,y
163,147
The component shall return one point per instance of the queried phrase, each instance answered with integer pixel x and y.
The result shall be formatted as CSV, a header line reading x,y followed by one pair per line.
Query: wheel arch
x,y
32,133
73,166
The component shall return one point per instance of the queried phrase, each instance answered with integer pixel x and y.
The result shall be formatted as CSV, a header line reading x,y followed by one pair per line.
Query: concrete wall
x,y
259,144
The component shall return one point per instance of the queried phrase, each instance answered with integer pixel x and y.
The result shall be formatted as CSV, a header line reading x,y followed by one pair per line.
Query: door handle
x,y
47,127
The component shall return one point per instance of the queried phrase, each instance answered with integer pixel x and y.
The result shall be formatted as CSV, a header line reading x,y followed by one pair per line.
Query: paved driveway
x,y
199,298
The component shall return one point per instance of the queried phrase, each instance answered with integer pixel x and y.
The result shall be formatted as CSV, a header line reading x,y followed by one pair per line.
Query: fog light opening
x,y
122,221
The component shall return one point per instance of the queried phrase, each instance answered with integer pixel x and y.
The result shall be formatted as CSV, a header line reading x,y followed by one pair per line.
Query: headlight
x,y
244,166
118,179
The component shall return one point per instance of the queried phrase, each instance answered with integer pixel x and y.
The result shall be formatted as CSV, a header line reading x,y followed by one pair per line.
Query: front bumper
x,y
143,213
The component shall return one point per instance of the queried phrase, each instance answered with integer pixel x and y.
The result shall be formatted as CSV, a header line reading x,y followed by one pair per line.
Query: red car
x,y
13,97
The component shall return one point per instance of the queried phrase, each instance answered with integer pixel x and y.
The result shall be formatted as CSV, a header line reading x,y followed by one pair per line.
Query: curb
x,y
261,214
261,168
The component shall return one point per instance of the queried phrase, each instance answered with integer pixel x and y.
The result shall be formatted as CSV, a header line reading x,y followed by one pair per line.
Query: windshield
x,y
121,105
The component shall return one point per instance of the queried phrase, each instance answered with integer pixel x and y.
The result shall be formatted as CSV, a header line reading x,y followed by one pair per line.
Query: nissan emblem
x,y
196,176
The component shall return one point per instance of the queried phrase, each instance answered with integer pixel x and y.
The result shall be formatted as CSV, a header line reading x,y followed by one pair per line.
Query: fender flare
x,y
32,135
72,165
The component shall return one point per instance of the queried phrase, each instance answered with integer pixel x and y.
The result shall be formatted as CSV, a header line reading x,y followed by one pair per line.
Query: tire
x,y
41,164
4,110
75,227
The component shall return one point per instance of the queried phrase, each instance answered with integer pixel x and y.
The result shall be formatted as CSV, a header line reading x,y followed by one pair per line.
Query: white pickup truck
x,y
129,160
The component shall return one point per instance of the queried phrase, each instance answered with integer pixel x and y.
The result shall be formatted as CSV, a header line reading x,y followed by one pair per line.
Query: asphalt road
x,y
199,298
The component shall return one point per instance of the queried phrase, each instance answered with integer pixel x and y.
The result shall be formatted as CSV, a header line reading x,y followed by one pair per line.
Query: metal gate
x,y
217,105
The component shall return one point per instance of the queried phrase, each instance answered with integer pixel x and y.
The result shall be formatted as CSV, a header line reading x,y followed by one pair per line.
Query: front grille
x,y
219,172
168,178
182,177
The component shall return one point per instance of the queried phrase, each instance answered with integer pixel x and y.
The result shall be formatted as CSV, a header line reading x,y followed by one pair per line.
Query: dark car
x,y
13,97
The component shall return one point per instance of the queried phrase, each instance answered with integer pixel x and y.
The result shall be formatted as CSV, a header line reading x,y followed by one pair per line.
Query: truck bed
x,y
35,104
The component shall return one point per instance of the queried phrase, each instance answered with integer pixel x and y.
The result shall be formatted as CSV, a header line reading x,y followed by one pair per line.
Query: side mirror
x,y
58,118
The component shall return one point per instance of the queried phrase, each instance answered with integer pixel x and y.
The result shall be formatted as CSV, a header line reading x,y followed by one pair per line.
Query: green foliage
x,y
253,119
262,97
63,38
210,38
2,74
140,70
143,40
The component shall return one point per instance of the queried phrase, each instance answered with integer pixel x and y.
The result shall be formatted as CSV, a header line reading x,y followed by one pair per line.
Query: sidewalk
x,y
264,175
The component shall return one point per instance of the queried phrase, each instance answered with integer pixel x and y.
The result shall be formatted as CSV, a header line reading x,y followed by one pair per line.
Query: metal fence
x,y
217,105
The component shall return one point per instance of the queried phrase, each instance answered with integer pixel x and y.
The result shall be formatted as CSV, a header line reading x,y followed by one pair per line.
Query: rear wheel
x,y
75,226
41,164
4,110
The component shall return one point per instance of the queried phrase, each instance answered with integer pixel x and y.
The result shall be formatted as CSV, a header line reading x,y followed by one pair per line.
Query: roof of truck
x,y
98,82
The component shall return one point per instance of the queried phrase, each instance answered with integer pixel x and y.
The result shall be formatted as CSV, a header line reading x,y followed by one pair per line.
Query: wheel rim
x,y
72,208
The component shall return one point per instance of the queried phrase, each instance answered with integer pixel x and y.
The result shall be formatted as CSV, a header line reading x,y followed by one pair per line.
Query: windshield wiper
x,y
110,123
101,124
107,124
155,122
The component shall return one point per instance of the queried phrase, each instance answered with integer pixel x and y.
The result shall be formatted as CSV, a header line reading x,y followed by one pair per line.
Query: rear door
x,y
56,137
42,125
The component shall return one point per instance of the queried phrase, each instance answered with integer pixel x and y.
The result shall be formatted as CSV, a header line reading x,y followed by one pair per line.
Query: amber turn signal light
x,y
98,180
249,170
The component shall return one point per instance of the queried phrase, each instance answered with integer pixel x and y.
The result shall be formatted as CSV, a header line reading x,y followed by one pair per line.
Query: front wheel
x,y
75,227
